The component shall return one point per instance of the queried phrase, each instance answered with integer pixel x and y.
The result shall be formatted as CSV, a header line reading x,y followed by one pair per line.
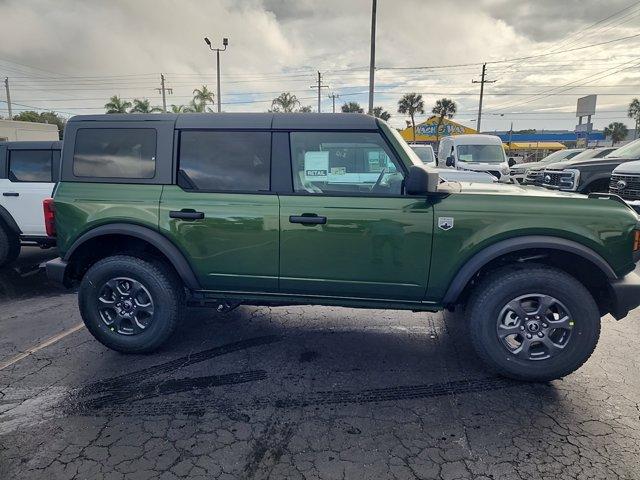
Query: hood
x,y
505,189
483,167
631,168
596,162
526,166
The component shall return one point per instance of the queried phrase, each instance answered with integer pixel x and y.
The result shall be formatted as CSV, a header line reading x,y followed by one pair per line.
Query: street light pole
x,y
225,42
372,60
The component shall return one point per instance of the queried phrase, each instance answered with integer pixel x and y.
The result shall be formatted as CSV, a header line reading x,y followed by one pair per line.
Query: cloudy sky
x,y
71,55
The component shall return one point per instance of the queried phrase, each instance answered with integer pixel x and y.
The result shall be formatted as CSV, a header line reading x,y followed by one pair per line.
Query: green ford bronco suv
x,y
154,212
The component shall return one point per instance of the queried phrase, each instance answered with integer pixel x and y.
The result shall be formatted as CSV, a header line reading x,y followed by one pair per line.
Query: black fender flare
x,y
595,178
8,220
480,259
155,238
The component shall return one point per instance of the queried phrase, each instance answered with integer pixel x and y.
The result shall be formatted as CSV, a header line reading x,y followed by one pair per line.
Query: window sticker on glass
x,y
338,170
316,165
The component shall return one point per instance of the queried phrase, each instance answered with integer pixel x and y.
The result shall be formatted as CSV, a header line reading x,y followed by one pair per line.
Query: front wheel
x,y
130,305
533,323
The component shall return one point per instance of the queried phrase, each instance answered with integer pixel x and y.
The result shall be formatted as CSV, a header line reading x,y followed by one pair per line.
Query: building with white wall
x,y
12,130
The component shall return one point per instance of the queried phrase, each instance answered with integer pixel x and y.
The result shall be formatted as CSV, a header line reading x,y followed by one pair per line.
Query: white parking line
x,y
40,346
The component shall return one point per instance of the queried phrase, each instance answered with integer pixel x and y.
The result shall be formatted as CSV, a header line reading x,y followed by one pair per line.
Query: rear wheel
x,y
9,246
130,305
533,323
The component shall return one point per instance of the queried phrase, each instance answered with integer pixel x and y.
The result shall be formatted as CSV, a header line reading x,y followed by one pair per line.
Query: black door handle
x,y
11,194
186,214
308,219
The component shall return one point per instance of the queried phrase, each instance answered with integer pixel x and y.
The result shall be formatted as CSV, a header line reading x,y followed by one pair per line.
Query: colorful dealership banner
x,y
426,131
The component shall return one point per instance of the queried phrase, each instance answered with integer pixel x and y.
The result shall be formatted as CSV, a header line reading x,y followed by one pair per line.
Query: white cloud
x,y
103,41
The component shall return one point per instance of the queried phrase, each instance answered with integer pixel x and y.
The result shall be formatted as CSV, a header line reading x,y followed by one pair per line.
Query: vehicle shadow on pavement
x,y
285,353
26,277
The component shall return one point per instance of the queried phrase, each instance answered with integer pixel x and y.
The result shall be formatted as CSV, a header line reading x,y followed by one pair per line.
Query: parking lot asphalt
x,y
298,392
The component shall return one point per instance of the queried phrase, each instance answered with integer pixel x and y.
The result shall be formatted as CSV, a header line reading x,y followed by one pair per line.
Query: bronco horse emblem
x,y
445,223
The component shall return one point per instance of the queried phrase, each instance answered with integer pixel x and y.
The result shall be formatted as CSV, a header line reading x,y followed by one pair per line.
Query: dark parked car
x,y
585,173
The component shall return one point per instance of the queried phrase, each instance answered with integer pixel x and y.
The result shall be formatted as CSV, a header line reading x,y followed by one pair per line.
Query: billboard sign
x,y
586,106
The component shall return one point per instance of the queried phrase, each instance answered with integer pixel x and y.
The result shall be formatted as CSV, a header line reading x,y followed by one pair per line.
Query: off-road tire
x,y
9,246
502,286
166,291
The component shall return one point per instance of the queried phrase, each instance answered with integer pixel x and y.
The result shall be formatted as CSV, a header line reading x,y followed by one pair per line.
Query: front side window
x,y
115,153
30,166
225,161
344,162
481,153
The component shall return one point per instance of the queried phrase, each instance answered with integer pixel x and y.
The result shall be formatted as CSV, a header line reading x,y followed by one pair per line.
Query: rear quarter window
x,y
30,166
225,161
115,153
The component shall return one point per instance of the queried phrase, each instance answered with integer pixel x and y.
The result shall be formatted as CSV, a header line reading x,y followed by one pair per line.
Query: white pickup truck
x,y
28,173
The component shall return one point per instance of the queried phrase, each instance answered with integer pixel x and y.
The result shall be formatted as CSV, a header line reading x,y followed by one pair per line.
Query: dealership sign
x,y
446,129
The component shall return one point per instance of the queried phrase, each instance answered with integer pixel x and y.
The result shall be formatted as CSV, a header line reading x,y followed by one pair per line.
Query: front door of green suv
x,y
347,230
221,213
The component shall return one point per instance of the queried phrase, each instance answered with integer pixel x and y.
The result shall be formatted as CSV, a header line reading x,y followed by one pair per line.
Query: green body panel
x,y
83,206
235,247
486,214
370,247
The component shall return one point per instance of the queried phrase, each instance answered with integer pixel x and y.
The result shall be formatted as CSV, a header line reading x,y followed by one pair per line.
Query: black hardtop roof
x,y
278,121
33,145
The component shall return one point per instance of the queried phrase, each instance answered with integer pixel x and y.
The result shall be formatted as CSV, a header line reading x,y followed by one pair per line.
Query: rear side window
x,y
115,153
30,166
225,161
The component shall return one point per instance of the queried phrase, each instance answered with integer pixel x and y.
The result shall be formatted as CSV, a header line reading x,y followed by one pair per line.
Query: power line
x,y
493,62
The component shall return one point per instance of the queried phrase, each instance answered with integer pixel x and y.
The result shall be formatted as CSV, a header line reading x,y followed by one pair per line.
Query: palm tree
x,y
178,108
305,109
117,105
202,96
634,112
445,107
144,106
410,104
285,102
380,113
352,107
617,131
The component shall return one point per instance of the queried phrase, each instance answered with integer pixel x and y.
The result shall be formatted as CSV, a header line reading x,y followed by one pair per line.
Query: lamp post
x,y
225,42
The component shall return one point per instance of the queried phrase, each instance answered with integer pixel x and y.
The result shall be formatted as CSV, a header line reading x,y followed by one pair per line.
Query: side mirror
x,y
421,181
511,162
451,162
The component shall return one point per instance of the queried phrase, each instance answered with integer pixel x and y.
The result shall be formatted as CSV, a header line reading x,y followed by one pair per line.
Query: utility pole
x,y
225,43
372,61
163,91
319,86
333,97
481,82
6,87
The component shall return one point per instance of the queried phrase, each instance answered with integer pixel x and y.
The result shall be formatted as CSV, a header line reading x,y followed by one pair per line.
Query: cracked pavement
x,y
300,392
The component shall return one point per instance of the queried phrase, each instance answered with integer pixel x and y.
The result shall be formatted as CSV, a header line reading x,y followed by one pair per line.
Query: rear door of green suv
x,y
221,212
347,228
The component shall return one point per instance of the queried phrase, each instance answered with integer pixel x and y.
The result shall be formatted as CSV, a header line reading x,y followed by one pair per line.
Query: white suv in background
x,y
28,173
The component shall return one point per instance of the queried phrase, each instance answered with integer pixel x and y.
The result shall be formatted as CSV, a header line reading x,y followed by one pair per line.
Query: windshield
x,y
592,153
415,159
424,152
559,155
630,150
481,153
